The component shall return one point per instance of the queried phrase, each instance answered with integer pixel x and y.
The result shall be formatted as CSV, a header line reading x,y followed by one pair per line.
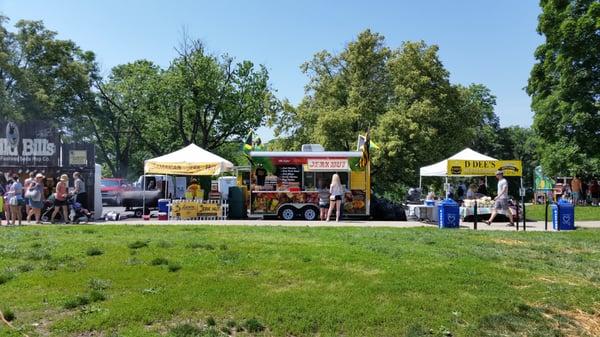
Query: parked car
x,y
112,190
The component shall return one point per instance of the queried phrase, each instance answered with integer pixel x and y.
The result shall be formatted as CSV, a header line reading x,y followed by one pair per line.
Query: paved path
x,y
531,226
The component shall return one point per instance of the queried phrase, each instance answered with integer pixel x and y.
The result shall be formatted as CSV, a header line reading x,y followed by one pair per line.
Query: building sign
x,y
324,164
32,144
289,174
511,168
77,158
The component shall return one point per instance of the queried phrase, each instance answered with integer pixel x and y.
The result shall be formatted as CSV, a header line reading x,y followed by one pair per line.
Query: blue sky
x,y
481,41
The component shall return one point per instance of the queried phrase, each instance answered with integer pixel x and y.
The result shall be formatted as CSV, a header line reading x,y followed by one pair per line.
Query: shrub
x,y
9,315
137,244
253,325
94,251
5,277
186,330
174,266
159,261
99,284
73,303
97,296
164,244
25,268
210,321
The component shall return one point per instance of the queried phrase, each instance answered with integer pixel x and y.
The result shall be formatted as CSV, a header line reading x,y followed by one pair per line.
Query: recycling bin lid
x,y
448,202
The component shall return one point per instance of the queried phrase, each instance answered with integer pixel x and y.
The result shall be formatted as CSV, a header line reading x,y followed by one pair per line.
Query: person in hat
x,y
501,200
36,198
194,189
60,199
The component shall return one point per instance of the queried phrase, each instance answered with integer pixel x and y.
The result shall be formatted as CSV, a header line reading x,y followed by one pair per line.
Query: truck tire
x,y
287,213
310,213
138,213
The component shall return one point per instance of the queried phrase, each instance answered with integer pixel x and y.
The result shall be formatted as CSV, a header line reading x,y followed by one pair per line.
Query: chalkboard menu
x,y
290,173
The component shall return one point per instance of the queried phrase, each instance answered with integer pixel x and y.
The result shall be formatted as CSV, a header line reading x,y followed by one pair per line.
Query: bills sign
x,y
32,144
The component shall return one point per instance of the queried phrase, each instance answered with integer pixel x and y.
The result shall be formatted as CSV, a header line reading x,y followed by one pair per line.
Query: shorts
x,y
338,197
60,202
28,201
501,205
576,195
596,195
323,205
36,204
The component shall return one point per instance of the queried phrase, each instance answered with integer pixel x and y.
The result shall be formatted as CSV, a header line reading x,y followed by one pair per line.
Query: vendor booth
x,y
37,147
469,163
192,160
285,184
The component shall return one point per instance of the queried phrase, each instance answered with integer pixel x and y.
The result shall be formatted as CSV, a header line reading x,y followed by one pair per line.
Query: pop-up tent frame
x,y
191,160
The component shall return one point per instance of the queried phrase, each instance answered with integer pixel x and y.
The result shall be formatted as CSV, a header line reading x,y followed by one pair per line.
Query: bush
x,y
9,315
159,261
138,244
99,284
25,268
174,266
73,303
94,251
253,325
97,296
5,277
210,321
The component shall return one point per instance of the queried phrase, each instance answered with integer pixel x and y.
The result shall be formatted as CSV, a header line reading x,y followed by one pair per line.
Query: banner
x,y
32,144
511,168
189,169
180,187
542,183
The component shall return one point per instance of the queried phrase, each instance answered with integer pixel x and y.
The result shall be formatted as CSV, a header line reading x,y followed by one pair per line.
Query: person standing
x,y
501,200
79,190
16,201
482,189
323,199
595,192
36,192
336,191
576,190
60,199
26,184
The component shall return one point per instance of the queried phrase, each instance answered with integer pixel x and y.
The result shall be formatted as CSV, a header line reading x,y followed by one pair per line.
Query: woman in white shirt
x,y
336,191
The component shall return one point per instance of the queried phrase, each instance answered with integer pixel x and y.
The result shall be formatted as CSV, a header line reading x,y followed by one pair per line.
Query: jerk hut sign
x,y
32,144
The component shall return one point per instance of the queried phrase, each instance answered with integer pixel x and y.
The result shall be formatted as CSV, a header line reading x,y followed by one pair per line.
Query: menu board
x,y
289,173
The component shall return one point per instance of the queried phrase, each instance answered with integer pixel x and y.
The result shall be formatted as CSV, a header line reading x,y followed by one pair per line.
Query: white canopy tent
x,y
191,160
440,169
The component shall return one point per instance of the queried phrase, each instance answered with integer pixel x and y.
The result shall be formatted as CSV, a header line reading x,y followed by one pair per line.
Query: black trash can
x,y
236,203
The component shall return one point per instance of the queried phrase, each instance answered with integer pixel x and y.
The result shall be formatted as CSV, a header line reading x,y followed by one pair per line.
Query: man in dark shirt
x,y
261,173
482,189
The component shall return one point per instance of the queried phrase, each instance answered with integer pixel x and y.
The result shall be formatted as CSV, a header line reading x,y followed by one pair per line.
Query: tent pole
x,y
446,187
144,194
420,182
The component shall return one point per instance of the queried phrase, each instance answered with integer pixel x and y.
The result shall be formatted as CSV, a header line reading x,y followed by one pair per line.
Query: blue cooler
x,y
429,202
567,215
449,214
163,205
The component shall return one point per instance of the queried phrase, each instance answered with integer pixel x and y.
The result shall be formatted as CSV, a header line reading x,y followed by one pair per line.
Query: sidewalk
x,y
531,226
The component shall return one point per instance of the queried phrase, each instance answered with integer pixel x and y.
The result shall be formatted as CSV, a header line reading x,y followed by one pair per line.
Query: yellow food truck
x,y
285,184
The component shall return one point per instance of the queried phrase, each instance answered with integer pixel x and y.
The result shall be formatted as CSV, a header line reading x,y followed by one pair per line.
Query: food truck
x,y
285,184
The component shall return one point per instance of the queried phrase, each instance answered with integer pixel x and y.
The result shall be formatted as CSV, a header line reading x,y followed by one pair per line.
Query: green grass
x,y
284,281
582,213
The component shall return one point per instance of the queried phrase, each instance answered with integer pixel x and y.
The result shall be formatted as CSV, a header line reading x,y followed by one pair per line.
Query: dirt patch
x,y
580,323
571,281
509,242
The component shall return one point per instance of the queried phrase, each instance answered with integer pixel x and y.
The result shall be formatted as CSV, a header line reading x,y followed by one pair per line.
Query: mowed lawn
x,y
582,213
282,281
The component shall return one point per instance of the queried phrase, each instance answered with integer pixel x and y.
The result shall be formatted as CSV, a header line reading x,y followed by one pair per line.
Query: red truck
x,y
112,190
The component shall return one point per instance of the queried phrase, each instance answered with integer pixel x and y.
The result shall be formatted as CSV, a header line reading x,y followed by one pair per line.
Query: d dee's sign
x,y
32,144
511,168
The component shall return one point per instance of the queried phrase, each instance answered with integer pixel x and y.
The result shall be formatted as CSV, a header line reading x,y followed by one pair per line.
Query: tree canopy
x,y
565,87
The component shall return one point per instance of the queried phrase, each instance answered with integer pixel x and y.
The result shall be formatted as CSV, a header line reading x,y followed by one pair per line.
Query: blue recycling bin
x,y
449,214
163,205
563,215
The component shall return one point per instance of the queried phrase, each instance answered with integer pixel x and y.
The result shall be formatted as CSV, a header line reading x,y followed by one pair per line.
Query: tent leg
x,y
420,183
143,195
446,187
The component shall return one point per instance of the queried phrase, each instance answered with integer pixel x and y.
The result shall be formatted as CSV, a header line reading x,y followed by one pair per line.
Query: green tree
x,y
43,77
565,86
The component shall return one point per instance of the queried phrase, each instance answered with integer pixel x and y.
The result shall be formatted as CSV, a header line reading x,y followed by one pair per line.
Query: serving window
x,y
312,179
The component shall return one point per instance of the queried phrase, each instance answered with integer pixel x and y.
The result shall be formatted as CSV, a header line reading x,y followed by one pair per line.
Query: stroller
x,y
75,211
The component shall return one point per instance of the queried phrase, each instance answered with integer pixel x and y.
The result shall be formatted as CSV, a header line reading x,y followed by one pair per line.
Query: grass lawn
x,y
582,213
281,281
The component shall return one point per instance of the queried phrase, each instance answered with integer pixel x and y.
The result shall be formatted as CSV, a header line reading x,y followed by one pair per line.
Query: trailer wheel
x,y
138,213
310,213
287,213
